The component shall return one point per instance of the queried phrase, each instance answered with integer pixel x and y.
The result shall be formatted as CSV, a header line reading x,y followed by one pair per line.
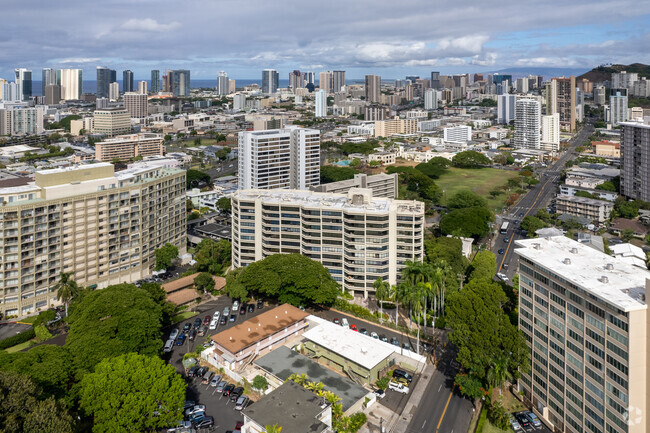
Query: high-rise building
x,y
624,80
71,83
521,84
136,104
310,78
112,121
232,86
326,81
551,132
561,98
222,84
338,81
178,82
127,81
618,106
635,154
296,80
506,108
125,147
431,99
105,77
52,94
239,102
10,92
21,121
528,113
155,81
386,128
585,320
373,88
142,87
502,79
321,103
478,77
388,232
114,91
599,95
24,83
77,229
270,81
279,158
580,105
48,78
457,134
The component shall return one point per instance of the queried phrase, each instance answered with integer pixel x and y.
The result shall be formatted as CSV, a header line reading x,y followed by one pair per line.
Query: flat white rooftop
x,y
586,268
358,348
76,167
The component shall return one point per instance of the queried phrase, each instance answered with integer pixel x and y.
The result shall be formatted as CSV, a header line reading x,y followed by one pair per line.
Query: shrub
x,y
44,317
382,382
260,382
17,339
497,415
42,333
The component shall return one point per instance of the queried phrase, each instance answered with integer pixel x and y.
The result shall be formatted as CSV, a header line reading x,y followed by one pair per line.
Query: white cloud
x,y
148,25
471,44
79,60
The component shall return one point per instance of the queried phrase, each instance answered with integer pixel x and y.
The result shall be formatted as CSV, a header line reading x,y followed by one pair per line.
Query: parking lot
x,y
217,406
532,428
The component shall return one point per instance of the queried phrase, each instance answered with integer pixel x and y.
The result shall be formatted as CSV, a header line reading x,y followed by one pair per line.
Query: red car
x,y
206,320
354,327
238,427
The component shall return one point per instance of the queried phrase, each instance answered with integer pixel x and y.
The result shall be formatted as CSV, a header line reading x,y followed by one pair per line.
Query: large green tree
x,y
224,204
484,266
333,173
195,177
482,331
203,282
109,322
470,159
165,256
213,257
467,222
448,250
291,278
24,408
66,289
465,198
531,224
133,392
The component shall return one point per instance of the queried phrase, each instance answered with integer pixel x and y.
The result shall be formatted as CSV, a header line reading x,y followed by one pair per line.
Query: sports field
x,y
480,180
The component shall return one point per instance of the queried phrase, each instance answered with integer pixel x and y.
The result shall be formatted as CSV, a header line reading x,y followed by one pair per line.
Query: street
x,y
537,198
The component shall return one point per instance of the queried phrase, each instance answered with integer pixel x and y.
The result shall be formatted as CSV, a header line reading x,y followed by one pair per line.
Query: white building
x,y
457,134
279,158
321,103
381,234
113,91
21,120
551,132
506,108
222,83
71,84
431,99
527,123
239,102
618,106
624,80
143,87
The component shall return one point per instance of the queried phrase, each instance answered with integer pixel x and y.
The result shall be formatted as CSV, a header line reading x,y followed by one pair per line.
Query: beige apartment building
x,y
356,236
386,128
607,148
100,225
594,210
125,147
112,121
136,103
585,319
381,185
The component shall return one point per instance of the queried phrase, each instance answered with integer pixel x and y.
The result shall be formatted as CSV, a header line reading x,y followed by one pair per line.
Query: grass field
x,y
481,181
21,346
183,316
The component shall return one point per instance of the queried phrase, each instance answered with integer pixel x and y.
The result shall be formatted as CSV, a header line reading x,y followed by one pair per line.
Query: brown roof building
x,y
252,337
182,291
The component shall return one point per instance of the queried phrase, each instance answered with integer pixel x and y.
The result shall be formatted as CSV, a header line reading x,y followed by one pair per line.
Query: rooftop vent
x,y
626,291
609,266
642,297
537,246
574,250
566,261
603,279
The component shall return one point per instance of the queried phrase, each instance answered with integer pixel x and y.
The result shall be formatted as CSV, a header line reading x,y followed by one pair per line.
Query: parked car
x,y
399,387
224,320
169,345
191,372
383,338
187,327
260,304
228,389
363,331
182,426
206,320
242,311
213,324
201,371
380,393
407,346
241,402
503,277
235,305
336,321
523,419
533,419
197,323
216,380
221,385
174,334
180,340
204,422
233,317
207,377
195,409
236,393
192,335
345,323
202,330
197,417
401,373
514,424
226,311
188,404
394,341
374,335
354,327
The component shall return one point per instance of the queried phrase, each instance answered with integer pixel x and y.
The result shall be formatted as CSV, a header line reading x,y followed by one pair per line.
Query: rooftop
x,y
585,200
283,362
291,406
258,328
358,348
586,268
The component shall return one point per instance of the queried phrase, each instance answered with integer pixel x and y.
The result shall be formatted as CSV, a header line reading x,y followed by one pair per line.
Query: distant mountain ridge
x,y
604,72
546,72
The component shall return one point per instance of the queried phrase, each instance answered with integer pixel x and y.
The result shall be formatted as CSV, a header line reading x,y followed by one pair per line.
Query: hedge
x,y
17,339
42,333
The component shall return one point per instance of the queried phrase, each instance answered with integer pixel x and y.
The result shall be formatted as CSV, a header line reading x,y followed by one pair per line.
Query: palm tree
x,y
382,289
401,292
66,289
300,379
498,372
314,386
273,428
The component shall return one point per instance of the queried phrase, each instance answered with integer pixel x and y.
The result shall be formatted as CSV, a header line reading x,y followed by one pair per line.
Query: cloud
x,y
79,60
148,25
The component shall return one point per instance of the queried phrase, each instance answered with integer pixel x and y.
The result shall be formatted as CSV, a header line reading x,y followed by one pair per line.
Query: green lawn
x,y
183,316
480,180
21,346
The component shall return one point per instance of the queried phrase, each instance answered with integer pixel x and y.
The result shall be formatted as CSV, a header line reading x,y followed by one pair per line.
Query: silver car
x,y
174,334
241,402
222,385
216,380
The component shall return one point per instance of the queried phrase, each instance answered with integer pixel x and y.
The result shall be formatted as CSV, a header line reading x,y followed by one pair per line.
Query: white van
x,y
169,345
344,323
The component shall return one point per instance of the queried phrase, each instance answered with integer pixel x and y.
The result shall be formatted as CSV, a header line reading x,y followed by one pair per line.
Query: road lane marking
x,y
425,421
440,387
446,406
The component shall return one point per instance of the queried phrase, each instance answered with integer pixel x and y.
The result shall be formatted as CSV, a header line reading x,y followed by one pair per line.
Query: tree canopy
x,y
213,257
291,278
333,173
196,177
435,167
366,147
224,204
467,222
531,224
449,250
417,183
465,198
470,159
109,322
484,266
165,255
133,392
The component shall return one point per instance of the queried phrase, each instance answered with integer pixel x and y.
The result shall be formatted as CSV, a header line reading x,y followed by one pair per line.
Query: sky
x,y
390,38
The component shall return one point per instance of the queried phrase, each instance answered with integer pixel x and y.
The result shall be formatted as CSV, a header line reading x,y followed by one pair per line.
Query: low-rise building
x,y
597,193
594,210
607,148
125,147
386,128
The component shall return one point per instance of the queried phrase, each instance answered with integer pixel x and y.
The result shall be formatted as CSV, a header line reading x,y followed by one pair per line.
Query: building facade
x,y
386,128
127,81
320,103
125,147
618,111
551,132
179,82
105,77
270,81
100,225
112,121
594,210
24,83
136,104
71,81
457,134
635,160
528,114
373,88
506,108
584,316
561,98
222,84
357,237
279,158
155,81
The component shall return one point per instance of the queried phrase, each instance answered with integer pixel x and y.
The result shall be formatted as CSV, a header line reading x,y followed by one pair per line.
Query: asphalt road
x,y
537,198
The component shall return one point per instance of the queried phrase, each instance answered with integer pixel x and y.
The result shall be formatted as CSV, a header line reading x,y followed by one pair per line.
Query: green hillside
x,y
604,73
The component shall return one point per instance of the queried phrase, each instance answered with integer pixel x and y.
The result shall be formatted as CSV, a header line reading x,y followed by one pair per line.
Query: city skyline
x,y
451,38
